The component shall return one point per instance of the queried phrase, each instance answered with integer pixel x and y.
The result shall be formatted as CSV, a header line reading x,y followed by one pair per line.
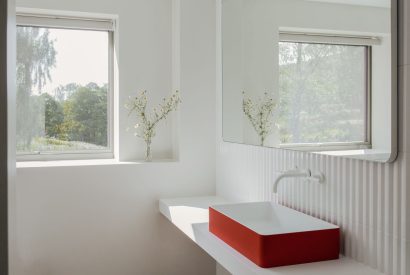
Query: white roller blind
x,y
65,22
329,38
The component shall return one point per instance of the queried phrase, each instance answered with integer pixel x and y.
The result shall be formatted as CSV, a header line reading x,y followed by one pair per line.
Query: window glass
x,y
62,90
323,91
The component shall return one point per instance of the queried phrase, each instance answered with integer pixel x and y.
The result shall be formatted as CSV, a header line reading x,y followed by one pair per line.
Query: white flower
x,y
148,121
260,115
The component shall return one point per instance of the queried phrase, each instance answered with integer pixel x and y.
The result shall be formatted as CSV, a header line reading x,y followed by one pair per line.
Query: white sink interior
x,y
266,218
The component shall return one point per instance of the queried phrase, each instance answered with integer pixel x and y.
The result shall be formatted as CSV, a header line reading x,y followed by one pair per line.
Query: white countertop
x,y
190,215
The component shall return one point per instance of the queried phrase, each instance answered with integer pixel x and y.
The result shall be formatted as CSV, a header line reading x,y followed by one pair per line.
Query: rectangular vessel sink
x,y
272,235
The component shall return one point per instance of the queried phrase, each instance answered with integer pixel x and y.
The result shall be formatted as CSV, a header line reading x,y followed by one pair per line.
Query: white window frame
x,y
344,40
76,21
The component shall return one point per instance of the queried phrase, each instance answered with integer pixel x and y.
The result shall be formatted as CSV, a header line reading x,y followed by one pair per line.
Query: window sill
x,y
93,162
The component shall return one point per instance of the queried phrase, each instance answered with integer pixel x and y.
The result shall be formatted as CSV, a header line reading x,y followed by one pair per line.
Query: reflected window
x,y
324,91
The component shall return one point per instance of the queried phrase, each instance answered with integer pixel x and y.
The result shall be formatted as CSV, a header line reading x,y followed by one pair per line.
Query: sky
x,y
82,57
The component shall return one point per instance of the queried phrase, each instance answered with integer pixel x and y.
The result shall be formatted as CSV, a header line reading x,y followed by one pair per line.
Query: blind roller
x,y
64,22
329,39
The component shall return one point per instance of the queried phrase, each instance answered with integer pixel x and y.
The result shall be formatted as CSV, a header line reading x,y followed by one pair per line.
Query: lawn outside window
x,y
64,87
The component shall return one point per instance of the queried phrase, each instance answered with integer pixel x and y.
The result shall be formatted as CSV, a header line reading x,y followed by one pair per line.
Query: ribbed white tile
x,y
367,200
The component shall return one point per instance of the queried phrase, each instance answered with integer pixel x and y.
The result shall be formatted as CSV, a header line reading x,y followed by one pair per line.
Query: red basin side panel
x,y
299,248
239,237
275,250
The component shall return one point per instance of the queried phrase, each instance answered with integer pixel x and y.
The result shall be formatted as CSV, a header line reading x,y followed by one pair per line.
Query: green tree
x,y
321,93
64,91
54,116
35,59
85,115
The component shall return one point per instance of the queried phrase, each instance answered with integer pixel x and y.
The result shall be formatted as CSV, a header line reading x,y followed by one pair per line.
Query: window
x,y
324,90
64,87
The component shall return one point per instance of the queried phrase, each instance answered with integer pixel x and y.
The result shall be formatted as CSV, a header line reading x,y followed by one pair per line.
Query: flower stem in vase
x,y
148,155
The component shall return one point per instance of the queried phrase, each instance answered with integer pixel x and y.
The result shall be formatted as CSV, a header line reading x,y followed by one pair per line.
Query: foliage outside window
x,y
323,90
63,90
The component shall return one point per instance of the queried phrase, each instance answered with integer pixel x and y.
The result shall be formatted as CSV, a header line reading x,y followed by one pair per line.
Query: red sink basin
x,y
272,235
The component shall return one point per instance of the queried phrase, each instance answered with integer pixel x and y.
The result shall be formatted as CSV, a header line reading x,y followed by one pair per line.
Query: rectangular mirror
x,y
311,75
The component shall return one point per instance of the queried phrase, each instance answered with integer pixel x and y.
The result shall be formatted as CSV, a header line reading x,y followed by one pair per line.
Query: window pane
x,y
323,93
62,90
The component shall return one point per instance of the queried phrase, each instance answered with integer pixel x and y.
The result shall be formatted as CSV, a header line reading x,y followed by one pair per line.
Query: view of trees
x,y
35,59
73,117
322,93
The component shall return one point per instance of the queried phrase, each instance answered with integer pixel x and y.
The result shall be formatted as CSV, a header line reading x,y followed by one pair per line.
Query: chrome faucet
x,y
297,173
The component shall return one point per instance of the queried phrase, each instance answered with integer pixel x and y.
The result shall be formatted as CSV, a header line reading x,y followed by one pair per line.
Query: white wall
x,y
103,219
368,200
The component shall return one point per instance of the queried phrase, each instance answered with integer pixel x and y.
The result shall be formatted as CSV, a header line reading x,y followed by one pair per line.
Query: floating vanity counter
x,y
191,216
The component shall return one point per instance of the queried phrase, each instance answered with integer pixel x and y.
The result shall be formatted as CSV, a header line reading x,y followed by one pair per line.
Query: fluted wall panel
x,y
366,199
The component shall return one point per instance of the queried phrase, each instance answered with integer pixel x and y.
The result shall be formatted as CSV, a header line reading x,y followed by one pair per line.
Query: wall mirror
x,y
311,75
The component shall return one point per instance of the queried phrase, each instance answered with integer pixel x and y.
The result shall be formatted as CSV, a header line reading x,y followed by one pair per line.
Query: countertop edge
x,y
190,215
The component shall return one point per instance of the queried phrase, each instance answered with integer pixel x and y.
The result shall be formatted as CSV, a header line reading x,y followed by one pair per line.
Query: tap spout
x,y
294,173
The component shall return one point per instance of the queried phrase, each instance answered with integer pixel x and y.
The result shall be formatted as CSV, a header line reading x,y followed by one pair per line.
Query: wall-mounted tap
x,y
298,173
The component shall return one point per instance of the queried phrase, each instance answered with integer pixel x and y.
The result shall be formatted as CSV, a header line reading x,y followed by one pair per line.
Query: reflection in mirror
x,y
311,75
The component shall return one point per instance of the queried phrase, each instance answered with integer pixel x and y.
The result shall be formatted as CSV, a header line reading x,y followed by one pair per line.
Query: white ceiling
x,y
370,3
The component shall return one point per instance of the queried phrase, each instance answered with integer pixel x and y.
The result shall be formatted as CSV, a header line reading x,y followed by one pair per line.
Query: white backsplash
x,y
366,199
